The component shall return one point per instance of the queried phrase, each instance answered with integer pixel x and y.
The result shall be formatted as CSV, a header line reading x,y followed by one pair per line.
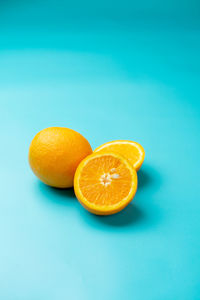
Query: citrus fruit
x,y
133,151
105,183
55,153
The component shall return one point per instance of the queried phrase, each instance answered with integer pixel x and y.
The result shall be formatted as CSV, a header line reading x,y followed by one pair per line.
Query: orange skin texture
x,y
55,153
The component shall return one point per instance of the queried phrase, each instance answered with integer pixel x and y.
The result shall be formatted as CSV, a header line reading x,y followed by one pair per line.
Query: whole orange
x,y
55,153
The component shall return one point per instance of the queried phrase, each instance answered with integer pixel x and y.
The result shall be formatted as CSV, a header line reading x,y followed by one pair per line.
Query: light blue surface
x,y
131,71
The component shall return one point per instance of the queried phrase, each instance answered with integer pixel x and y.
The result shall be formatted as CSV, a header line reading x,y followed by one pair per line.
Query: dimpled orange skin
x,y
55,153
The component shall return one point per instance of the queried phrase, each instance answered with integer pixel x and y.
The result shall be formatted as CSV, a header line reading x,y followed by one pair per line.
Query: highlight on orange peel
x,y
132,151
105,183
55,153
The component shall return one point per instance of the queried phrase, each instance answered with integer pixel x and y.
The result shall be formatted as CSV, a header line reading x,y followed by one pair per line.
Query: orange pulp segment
x,y
105,183
132,151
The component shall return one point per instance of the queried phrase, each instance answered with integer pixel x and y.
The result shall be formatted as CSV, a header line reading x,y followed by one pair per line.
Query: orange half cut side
x,y
132,151
105,183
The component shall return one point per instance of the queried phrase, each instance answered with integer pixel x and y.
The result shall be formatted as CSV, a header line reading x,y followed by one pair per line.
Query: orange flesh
x,y
105,181
127,150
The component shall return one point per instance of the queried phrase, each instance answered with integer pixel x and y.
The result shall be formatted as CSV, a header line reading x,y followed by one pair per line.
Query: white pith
x,y
106,178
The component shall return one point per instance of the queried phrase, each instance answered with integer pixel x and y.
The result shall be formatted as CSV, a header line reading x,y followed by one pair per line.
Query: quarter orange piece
x,y
55,153
105,183
133,151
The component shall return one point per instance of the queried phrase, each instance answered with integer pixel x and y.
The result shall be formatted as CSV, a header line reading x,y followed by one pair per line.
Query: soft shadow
x,y
143,212
144,178
61,195
148,177
132,214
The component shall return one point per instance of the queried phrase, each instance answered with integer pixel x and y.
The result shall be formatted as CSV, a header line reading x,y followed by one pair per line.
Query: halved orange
x,y
105,183
132,151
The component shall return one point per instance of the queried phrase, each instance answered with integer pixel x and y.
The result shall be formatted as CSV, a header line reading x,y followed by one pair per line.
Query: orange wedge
x,y
105,183
132,151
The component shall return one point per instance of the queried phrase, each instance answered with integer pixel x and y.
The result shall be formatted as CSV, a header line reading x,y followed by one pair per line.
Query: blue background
x,y
110,70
